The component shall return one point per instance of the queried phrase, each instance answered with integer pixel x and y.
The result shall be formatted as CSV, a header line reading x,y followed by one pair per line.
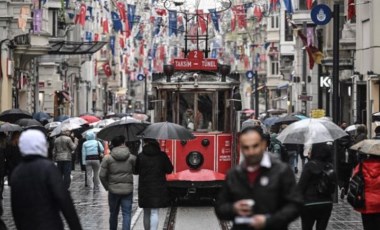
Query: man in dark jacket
x,y
152,165
377,133
261,192
38,194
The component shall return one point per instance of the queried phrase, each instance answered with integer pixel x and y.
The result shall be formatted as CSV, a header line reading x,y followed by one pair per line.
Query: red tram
x,y
205,102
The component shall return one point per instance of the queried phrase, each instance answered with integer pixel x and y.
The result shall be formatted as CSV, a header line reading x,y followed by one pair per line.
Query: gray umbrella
x,y
7,127
28,123
167,131
129,128
13,115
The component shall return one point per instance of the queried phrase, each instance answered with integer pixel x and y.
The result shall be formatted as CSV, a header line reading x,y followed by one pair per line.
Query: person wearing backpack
x,y
369,168
317,184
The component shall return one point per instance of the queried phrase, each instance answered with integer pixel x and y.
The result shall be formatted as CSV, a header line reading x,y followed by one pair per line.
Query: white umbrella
x,y
311,131
68,125
103,123
52,125
351,128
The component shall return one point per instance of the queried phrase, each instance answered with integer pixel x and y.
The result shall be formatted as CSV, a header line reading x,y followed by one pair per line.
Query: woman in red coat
x,y
371,211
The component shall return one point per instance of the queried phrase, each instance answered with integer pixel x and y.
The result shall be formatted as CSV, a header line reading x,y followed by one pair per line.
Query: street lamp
x,y
224,70
169,71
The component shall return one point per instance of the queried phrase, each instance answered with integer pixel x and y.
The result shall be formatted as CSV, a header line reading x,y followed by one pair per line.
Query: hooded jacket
x,y
152,165
116,172
371,173
91,147
63,148
38,195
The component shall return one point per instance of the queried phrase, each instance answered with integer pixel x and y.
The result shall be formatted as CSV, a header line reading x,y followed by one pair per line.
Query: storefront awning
x,y
283,86
72,48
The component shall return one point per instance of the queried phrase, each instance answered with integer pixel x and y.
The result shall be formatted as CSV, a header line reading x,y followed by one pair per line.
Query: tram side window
x,y
221,111
204,115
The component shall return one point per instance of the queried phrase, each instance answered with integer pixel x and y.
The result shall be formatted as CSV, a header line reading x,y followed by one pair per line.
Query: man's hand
x,y
242,208
258,221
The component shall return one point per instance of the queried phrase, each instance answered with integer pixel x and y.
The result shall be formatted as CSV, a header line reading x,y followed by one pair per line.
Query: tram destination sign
x,y
196,64
196,61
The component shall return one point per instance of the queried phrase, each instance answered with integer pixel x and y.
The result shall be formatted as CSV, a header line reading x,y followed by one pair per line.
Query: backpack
x,y
327,182
356,192
275,145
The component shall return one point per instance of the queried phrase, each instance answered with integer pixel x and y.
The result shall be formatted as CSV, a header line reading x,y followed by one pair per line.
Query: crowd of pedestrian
x,y
262,193
38,170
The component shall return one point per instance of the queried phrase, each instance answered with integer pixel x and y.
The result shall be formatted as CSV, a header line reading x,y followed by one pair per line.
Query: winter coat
x,y
152,165
38,196
2,162
308,183
274,193
63,148
371,173
13,158
116,172
91,147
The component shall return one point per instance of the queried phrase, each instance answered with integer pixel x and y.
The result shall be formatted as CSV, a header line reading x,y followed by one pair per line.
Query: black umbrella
x,y
129,128
14,115
28,123
8,127
286,120
167,131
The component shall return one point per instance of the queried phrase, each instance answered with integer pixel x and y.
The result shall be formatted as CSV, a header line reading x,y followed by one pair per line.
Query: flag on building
x,y
289,6
37,20
105,26
81,18
107,69
351,9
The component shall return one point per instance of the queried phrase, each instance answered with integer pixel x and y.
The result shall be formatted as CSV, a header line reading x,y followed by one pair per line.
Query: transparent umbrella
x,y
68,125
311,131
371,147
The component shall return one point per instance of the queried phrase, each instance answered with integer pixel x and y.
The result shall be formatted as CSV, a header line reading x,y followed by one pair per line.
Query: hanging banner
x,y
37,20
112,45
88,36
82,14
201,20
172,22
121,8
117,25
131,15
214,18
157,25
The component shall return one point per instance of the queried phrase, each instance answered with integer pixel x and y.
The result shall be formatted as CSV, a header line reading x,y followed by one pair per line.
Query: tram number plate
x,y
196,64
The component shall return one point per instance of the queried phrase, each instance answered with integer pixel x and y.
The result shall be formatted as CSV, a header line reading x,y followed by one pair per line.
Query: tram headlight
x,y
194,160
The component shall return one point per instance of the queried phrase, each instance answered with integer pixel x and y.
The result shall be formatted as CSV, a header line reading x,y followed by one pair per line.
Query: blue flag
x,y
172,22
117,25
112,45
157,25
213,53
89,36
288,6
131,15
215,18
154,51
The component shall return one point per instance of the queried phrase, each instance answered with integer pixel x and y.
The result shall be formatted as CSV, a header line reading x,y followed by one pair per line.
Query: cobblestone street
x,y
92,207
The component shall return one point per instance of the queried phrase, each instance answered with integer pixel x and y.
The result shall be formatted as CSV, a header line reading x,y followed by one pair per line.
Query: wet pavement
x,y
92,207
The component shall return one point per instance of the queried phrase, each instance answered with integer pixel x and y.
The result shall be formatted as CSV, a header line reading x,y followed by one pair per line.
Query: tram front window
x,y
196,111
